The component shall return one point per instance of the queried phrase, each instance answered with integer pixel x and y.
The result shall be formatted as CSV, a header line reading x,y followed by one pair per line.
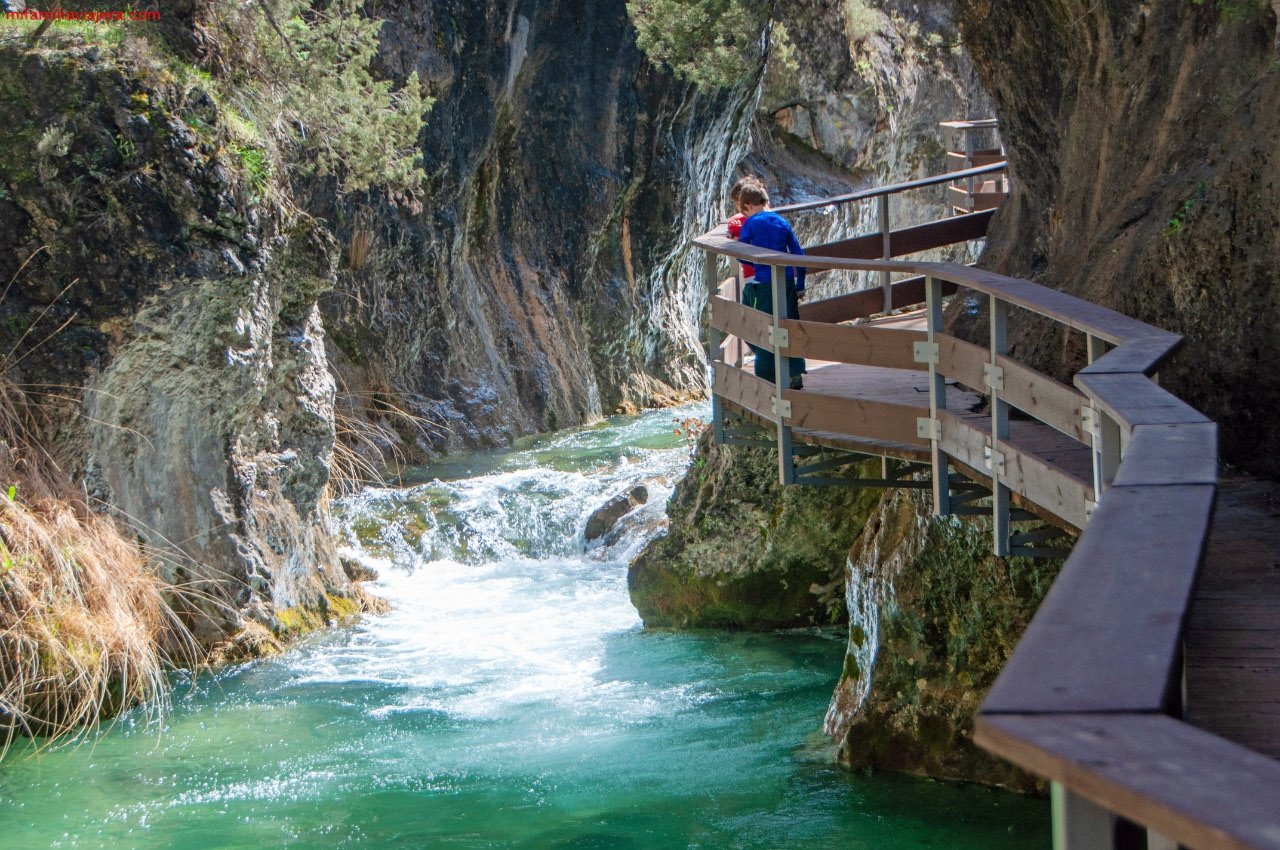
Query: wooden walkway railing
x,y
1091,698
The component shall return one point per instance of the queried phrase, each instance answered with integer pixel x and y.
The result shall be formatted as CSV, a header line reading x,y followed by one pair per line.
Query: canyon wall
x,y
546,281
148,279
1144,147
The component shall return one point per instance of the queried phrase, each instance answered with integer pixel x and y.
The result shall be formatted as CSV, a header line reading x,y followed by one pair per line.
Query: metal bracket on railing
x,y
928,429
1091,422
780,407
780,337
993,376
925,352
994,460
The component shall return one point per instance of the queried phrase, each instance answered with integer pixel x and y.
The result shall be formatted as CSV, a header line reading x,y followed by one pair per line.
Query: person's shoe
x,y
797,382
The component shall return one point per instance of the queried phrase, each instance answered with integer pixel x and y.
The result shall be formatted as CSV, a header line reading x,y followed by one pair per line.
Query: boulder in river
x,y
604,518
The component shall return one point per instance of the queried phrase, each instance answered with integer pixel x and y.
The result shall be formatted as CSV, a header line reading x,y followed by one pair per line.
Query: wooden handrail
x,y
1085,697
893,188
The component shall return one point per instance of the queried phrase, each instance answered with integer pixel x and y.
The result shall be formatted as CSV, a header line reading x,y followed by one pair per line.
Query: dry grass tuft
x,y
84,627
359,247
370,429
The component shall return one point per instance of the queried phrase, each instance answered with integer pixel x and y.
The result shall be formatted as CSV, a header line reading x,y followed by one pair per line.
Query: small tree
x,y
307,74
711,43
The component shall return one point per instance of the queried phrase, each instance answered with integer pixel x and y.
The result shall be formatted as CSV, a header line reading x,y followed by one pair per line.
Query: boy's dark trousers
x,y
760,296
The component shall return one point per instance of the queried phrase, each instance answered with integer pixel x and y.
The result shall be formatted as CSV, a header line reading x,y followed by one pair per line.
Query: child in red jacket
x,y
735,222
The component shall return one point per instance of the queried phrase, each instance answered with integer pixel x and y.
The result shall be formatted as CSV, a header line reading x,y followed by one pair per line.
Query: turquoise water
x,y
511,700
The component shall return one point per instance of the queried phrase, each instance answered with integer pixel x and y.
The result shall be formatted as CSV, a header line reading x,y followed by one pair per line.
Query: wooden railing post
x,y
968,163
937,399
740,347
716,339
886,252
1078,823
781,377
999,425
1105,432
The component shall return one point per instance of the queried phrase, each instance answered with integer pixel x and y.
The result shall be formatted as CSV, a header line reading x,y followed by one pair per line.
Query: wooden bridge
x,y
1097,695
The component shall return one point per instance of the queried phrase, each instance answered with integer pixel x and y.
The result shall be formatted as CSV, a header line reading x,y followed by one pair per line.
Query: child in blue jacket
x,y
766,229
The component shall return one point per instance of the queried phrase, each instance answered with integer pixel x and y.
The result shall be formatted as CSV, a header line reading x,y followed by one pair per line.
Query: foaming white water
x,y
499,605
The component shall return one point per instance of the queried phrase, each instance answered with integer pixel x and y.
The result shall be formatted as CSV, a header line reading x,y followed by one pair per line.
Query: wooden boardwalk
x,y
1233,634
1146,689
905,389
909,388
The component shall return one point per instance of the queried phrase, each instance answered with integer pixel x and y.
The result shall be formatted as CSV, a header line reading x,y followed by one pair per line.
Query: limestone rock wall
x,y
932,618
852,98
1144,142
149,278
546,281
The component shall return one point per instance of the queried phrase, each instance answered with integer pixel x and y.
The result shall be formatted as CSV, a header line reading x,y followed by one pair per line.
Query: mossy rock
x,y
947,613
745,552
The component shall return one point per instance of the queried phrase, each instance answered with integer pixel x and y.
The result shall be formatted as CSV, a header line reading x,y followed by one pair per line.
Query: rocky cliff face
x,y
1144,143
147,272
933,617
543,281
546,281
744,552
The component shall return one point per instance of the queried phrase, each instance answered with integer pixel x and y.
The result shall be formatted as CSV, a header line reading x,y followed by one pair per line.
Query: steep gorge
x,y
546,282
196,342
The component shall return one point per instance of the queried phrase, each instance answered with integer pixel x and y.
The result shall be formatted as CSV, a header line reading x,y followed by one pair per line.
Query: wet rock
x,y
605,517
744,552
357,570
933,616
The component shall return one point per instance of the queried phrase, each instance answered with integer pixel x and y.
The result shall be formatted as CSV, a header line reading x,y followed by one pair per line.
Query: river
x,y
510,700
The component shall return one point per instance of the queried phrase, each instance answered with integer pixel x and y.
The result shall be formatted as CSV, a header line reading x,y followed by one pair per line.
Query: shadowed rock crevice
x,y
1143,148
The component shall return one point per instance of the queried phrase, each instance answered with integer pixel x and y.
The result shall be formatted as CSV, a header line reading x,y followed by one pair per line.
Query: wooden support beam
x,y
886,251
1104,432
781,378
937,402
867,345
744,389
715,338
740,321
1079,823
999,427
907,240
868,418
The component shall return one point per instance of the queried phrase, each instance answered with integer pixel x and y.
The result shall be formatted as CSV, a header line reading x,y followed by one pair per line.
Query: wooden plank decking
x,y
1233,633
910,388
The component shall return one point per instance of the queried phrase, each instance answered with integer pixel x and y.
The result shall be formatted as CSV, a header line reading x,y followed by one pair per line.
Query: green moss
x,y
744,552
852,670
958,611
300,619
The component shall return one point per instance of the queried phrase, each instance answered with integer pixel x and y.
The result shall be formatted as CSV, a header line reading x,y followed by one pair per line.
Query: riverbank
x,y
511,698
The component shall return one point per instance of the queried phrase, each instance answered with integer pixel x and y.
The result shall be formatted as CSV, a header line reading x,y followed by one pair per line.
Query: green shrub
x,y
304,73
712,43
